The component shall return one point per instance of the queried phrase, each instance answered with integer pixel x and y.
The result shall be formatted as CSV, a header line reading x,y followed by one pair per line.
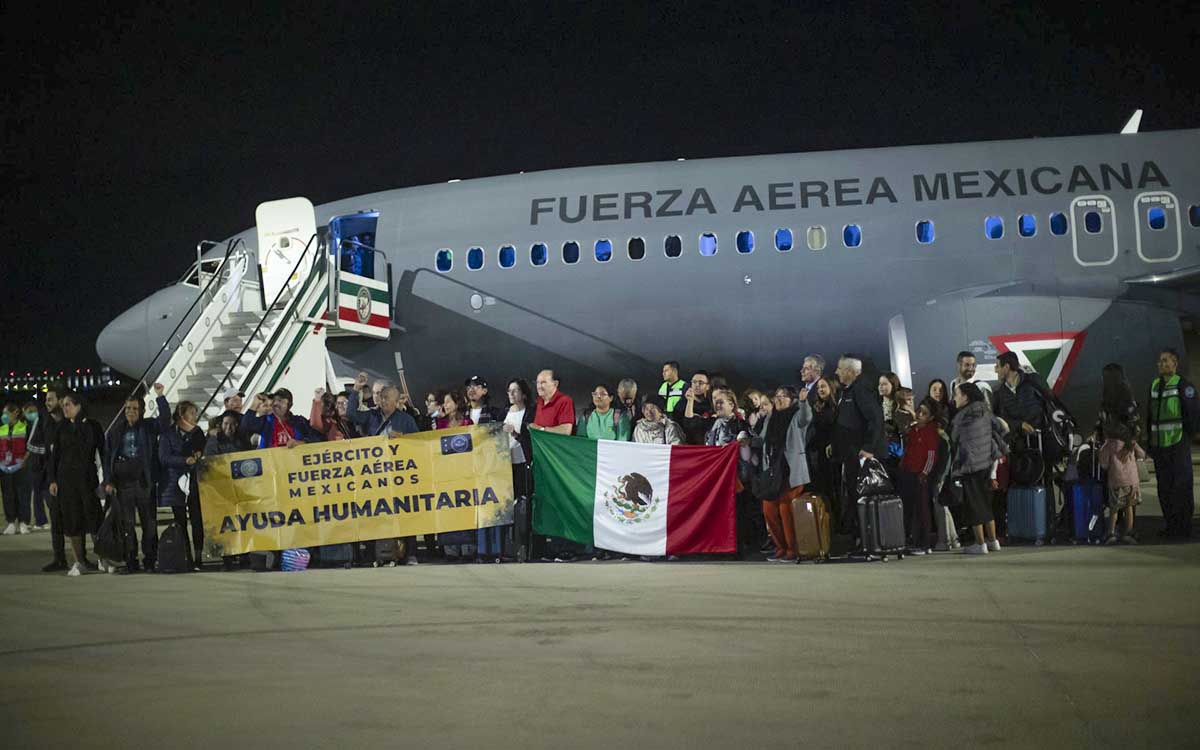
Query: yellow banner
x,y
356,490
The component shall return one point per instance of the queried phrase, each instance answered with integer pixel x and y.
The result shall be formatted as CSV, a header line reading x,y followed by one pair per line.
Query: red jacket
x,y
920,449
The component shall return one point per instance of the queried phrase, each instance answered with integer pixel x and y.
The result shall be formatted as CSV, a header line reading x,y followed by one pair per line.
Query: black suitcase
x,y
881,519
519,536
173,550
336,555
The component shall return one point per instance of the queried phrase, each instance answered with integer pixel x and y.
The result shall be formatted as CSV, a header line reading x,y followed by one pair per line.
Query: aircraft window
x,y
445,260
925,232
851,235
993,227
603,251
816,238
1092,222
508,256
636,248
1194,216
745,242
1058,224
783,240
538,253
1156,217
570,252
672,246
708,244
1026,225
475,258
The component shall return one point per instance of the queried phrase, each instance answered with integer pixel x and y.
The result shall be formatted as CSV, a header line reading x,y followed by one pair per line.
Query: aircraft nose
x,y
124,342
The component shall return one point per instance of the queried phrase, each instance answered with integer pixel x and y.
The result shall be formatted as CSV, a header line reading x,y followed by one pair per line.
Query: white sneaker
x,y
956,544
23,529
43,527
76,570
994,545
975,549
9,530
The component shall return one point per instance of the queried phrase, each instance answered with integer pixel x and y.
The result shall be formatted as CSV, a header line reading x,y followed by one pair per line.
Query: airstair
x,y
262,317
238,341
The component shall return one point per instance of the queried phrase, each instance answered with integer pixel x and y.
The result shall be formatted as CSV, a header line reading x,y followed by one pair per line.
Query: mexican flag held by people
x,y
635,498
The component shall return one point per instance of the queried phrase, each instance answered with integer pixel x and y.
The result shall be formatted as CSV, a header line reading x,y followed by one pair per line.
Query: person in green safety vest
x,y
672,387
1171,420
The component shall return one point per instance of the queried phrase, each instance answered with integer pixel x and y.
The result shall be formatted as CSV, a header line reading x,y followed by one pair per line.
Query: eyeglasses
x,y
600,394
699,382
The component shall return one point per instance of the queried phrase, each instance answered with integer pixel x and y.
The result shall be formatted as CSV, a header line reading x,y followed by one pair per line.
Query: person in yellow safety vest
x,y
1171,419
672,387
14,470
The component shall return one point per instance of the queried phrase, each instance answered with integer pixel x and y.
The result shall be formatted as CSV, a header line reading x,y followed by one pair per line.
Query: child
x,y
913,480
1119,457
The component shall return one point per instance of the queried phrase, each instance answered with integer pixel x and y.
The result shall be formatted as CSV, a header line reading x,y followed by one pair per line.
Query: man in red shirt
x,y
555,410
555,413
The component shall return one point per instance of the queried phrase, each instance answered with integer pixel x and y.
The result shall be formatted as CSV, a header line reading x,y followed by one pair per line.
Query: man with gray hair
x,y
857,434
811,371
627,396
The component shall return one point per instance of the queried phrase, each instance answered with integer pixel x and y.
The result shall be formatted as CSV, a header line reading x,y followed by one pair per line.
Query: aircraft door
x,y
360,290
1094,238
1159,233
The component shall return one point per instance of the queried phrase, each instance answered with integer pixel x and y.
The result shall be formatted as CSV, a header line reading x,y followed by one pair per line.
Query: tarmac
x,y
1053,646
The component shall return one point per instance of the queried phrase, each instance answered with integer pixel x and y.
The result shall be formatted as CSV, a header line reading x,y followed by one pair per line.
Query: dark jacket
x,y
823,424
695,427
264,426
1027,403
523,436
371,422
859,425
487,413
219,444
38,445
174,448
74,450
146,435
978,439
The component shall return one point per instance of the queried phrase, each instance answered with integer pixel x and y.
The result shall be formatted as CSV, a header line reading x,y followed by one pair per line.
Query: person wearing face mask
x,y
14,470
73,480
180,445
629,400
47,417
129,474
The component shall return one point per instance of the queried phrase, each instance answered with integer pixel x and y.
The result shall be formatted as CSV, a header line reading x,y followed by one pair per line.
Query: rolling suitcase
x,y
1027,513
1085,500
519,535
881,520
811,517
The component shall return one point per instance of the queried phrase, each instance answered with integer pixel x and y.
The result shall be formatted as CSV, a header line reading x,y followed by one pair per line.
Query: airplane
x,y
1071,251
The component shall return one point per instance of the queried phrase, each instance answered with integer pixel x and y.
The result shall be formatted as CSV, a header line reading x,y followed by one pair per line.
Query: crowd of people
x,y
946,451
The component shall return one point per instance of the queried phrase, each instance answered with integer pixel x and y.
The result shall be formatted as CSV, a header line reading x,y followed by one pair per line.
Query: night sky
x,y
129,135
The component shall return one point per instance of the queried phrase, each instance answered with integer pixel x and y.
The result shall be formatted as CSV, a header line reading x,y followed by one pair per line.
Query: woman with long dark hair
x,y
939,393
328,416
1118,417
516,425
454,411
820,441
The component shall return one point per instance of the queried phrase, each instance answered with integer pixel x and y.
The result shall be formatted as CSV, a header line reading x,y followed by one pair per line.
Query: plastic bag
x,y
873,479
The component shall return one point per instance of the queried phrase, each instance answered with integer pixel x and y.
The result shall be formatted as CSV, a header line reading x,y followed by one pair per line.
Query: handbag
x,y
951,495
767,483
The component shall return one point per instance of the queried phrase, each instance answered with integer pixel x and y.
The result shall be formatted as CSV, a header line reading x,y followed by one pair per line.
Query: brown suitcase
x,y
811,516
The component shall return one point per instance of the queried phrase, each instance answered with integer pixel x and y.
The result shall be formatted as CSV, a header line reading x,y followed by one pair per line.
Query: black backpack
x,y
110,537
172,550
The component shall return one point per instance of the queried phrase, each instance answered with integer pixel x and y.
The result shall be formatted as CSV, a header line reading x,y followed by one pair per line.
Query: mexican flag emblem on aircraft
x,y
1051,355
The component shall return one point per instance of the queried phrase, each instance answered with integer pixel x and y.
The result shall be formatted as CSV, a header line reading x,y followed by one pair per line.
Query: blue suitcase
x,y
1087,511
1027,513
